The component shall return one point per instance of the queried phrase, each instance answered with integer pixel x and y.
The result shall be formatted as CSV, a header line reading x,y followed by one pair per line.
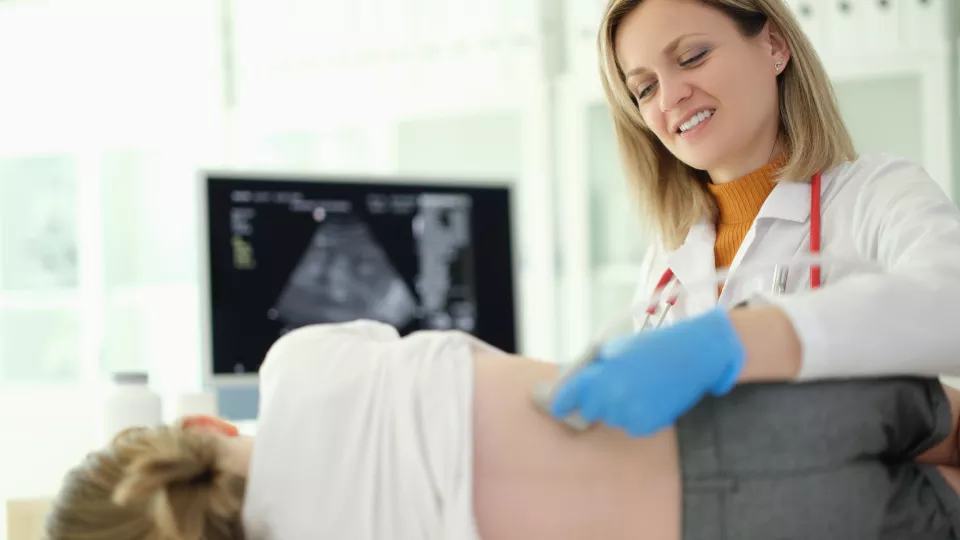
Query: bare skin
x,y
559,484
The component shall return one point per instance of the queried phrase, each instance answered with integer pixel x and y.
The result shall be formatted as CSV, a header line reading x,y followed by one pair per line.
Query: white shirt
x,y
363,435
890,302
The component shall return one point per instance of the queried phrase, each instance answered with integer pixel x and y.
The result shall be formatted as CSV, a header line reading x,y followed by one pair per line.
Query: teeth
x,y
695,120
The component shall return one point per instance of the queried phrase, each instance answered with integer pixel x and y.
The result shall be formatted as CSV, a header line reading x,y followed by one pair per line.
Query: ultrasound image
x,y
445,284
344,275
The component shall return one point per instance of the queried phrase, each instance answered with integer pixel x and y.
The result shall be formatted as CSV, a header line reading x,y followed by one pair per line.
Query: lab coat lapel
x,y
693,264
779,234
789,201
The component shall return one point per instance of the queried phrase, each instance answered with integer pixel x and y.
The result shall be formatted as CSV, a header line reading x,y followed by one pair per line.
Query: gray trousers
x,y
818,461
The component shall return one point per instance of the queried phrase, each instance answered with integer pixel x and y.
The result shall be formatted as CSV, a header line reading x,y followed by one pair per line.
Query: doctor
x,y
731,136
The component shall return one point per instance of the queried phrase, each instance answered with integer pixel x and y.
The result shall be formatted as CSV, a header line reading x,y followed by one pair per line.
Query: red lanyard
x,y
815,235
815,229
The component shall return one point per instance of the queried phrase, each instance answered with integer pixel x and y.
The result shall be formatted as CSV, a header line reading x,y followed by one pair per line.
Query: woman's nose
x,y
673,91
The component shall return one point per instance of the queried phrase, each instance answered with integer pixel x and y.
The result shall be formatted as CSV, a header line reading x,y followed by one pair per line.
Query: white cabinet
x,y
928,22
812,15
845,25
883,25
858,27
901,104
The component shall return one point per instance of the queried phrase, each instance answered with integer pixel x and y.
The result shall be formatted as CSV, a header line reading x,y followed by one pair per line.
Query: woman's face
x,y
706,91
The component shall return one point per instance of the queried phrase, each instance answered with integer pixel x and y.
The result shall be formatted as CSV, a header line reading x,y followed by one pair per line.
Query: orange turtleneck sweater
x,y
739,202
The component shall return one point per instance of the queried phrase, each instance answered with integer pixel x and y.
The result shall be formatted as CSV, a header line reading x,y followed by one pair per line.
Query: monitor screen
x,y
287,252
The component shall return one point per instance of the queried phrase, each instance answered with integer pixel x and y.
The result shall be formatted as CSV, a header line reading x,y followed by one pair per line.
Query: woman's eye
x,y
695,58
644,91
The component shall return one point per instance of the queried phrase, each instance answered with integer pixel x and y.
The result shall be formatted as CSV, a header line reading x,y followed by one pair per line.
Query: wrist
x,y
722,344
772,346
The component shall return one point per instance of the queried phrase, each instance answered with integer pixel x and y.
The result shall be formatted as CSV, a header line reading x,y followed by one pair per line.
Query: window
x,y
39,270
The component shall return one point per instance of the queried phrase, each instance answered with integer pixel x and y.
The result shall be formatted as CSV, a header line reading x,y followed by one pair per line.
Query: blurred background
x,y
111,110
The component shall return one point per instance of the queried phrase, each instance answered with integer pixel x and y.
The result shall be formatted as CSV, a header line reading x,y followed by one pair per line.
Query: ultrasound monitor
x,y
285,252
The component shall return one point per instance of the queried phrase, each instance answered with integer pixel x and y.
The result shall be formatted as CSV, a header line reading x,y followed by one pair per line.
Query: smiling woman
x,y
719,70
729,130
712,90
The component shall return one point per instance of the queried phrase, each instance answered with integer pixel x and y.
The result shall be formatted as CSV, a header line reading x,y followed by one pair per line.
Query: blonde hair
x,y
671,194
150,484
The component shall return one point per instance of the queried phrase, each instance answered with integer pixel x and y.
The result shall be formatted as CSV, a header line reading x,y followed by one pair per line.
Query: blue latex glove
x,y
645,382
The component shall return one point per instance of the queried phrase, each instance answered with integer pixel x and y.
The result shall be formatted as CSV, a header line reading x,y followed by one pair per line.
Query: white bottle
x,y
130,403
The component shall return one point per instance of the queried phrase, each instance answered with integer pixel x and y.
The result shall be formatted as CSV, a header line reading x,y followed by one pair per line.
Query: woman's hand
x,y
644,382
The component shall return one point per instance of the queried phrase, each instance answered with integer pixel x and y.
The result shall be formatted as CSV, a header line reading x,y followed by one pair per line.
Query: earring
x,y
779,63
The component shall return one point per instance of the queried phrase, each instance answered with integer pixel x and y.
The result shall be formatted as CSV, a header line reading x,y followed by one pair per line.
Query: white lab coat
x,y
901,319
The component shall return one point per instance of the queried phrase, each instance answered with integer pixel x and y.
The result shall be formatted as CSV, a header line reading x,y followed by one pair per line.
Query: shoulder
x,y
882,179
312,350
887,204
311,340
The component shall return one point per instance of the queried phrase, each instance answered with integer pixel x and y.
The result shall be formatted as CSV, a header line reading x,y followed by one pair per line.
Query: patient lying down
x,y
363,435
